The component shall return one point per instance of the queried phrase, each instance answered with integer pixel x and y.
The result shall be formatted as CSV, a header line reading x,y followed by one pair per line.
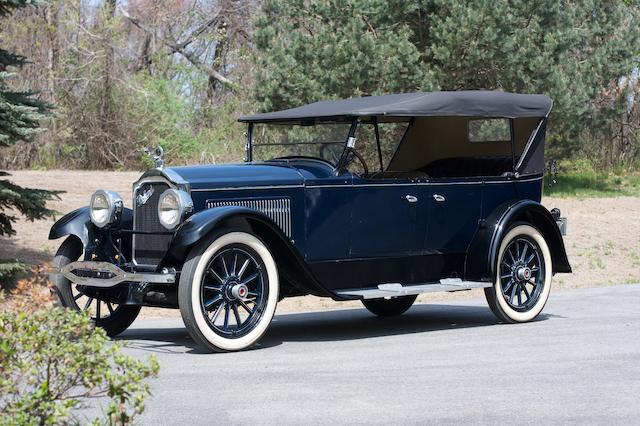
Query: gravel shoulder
x,y
603,241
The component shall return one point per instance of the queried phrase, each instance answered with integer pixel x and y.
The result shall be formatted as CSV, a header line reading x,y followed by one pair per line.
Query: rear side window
x,y
489,130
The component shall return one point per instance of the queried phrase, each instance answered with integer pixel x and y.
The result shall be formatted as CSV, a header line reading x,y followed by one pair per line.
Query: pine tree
x,y
572,51
20,116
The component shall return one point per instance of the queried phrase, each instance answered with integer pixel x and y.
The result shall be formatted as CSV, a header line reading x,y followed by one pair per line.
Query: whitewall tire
x,y
523,275
228,291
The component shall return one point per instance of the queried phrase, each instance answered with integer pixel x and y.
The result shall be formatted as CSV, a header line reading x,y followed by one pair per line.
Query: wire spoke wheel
x,y
98,309
522,273
233,291
114,318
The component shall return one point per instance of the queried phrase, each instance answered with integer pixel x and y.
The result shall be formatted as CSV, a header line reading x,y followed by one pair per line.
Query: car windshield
x,y
324,141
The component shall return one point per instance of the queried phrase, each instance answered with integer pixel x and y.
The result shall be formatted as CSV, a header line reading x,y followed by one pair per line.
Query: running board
x,y
396,289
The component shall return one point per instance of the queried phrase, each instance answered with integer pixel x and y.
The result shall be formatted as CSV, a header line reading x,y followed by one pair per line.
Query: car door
x,y
454,211
327,218
388,218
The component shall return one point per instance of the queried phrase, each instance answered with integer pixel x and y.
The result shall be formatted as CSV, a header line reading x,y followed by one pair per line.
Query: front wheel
x,y
228,291
524,273
112,317
389,307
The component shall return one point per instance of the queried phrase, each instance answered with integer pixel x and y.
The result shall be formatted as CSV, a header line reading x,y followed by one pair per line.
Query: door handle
x,y
411,198
439,198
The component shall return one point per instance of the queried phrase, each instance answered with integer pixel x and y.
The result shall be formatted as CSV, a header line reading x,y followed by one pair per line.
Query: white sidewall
x,y
537,308
272,274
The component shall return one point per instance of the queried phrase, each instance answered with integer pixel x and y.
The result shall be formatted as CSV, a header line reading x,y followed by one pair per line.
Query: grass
x,y
593,184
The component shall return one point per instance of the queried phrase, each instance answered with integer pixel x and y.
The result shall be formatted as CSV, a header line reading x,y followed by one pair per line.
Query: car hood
x,y
236,175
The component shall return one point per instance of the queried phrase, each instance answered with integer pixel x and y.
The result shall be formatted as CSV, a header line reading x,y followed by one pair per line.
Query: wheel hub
x,y
236,291
523,273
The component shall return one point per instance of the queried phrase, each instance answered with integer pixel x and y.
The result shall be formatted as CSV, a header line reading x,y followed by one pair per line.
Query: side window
x,y
367,148
489,130
391,135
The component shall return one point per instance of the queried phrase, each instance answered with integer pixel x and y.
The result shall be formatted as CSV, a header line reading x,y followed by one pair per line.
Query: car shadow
x,y
332,325
351,324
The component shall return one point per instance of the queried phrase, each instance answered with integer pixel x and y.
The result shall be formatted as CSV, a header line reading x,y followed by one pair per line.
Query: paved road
x,y
441,363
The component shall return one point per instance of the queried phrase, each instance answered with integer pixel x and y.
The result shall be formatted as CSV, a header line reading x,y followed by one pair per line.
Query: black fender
x,y
481,260
292,266
78,223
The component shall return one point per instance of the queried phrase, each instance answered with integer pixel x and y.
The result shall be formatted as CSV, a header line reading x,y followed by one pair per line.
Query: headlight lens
x,y
173,206
105,208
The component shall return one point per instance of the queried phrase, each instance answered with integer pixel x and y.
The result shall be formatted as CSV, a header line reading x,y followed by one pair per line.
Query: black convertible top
x,y
469,103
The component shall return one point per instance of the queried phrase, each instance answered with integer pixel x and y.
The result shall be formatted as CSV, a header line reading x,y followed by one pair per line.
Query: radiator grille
x,y
276,209
149,249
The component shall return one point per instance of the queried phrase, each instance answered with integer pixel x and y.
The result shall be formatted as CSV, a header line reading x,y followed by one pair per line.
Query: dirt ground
x,y
603,241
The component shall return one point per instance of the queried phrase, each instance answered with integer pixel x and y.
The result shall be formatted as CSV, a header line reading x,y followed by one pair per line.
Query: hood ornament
x,y
157,155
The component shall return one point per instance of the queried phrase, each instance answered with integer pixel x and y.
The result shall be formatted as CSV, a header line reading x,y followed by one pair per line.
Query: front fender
x,y
78,223
482,255
202,224
293,268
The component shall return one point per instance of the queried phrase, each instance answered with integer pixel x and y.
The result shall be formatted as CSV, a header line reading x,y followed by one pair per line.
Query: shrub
x,y
55,361
9,270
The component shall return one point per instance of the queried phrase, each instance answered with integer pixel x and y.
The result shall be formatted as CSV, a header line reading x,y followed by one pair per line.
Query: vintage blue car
x,y
375,199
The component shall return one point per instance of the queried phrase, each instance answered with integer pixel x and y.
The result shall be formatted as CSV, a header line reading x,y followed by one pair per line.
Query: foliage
x,y
26,289
576,52
125,75
316,50
29,202
20,115
583,179
54,361
129,75
8,271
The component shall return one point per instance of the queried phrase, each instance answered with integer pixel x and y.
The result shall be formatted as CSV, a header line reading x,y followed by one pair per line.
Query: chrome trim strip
x,y
118,277
168,174
475,182
397,289
425,183
243,188
276,209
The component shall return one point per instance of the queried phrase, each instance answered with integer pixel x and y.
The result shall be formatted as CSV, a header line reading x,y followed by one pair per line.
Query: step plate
x,y
395,289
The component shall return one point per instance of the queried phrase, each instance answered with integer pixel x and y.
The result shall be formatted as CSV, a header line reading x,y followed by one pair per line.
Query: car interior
x,y
452,146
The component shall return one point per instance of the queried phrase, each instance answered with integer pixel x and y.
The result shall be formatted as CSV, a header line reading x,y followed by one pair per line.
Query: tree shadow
x,y
330,326
11,250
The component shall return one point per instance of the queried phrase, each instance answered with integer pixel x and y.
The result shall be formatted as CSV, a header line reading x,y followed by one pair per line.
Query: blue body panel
x,y
345,226
347,231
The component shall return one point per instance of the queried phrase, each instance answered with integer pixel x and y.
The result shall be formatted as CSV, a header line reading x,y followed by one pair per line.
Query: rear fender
x,y
291,265
482,255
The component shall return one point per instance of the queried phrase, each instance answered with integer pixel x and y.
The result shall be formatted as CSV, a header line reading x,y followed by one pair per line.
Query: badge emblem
x,y
141,199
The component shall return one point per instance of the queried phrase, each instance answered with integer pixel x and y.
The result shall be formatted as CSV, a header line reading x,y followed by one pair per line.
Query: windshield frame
x,y
355,121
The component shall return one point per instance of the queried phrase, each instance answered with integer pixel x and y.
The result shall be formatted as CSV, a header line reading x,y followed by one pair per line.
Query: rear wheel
x,y
524,273
112,317
389,307
228,291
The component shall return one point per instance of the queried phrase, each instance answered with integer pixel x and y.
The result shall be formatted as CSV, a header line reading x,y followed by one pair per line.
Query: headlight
x,y
105,208
173,206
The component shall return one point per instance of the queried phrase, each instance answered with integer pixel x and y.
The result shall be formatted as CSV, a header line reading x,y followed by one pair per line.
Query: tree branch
x,y
180,48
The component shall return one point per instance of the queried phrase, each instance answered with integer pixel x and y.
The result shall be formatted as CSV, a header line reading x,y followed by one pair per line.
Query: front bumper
x,y
106,275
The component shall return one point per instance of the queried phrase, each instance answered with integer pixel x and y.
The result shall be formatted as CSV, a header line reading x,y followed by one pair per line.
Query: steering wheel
x,y
359,157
